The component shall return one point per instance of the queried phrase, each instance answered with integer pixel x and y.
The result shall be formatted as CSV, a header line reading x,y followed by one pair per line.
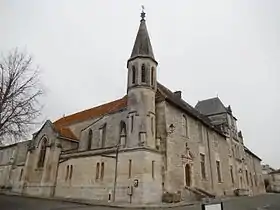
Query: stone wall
x,y
112,132
200,140
84,184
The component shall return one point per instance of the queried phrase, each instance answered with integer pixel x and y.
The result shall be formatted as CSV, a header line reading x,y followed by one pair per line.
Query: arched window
x,y
143,73
97,171
102,171
133,75
67,172
42,154
122,133
71,172
152,76
102,135
188,175
185,126
89,139
20,175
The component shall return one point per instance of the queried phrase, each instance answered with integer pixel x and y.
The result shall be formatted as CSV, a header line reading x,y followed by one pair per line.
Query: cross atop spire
x,y
142,45
143,14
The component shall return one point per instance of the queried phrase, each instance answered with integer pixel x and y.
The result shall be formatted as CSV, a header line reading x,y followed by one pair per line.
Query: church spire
x,y
142,45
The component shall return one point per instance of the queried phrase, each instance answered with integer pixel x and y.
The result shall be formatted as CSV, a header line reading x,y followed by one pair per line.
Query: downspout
x,y
210,162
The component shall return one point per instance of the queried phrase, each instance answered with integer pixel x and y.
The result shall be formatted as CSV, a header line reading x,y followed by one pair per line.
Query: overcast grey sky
x,y
204,48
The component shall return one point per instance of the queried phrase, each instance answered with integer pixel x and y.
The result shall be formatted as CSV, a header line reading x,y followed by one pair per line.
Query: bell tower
x,y
141,90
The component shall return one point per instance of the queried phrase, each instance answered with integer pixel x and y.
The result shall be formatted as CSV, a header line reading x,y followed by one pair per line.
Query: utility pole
x,y
116,172
116,157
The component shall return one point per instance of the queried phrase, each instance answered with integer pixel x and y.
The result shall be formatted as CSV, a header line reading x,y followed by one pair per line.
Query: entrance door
x,y
188,175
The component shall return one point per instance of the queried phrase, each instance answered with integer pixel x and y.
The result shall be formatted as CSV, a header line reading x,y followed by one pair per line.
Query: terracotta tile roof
x,y
62,123
66,132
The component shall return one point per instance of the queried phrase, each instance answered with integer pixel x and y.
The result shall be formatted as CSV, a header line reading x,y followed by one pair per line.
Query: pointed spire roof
x,y
142,45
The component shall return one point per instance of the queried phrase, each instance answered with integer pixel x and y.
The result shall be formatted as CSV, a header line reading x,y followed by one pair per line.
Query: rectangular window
x,y
202,166
231,175
129,168
102,171
153,169
252,183
218,171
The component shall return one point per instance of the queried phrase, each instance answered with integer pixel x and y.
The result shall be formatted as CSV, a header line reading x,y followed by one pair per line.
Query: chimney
x,y
178,94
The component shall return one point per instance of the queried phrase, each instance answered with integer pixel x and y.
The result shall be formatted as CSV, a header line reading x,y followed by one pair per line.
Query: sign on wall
x,y
216,206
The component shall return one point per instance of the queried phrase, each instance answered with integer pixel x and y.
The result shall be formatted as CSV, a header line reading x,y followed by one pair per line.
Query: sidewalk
x,y
102,203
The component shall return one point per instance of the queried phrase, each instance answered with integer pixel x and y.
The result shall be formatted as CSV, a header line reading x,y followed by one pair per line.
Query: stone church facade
x,y
146,147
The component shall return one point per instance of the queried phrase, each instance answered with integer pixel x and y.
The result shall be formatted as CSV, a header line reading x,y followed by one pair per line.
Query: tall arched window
x,y
97,171
152,76
42,153
89,139
185,126
122,133
102,171
143,73
133,75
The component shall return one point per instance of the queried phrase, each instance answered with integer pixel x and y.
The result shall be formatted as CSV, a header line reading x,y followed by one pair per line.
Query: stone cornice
x,y
110,150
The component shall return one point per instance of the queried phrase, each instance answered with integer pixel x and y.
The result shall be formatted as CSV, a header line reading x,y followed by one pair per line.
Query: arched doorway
x,y
188,175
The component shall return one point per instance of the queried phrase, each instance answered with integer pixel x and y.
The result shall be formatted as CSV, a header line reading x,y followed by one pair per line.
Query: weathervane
x,y
143,13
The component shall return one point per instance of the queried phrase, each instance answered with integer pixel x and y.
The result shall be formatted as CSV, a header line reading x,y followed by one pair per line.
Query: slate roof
x,y
211,106
251,153
164,93
275,172
142,45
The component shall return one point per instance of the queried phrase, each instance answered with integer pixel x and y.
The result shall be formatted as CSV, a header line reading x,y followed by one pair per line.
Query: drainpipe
x,y
210,162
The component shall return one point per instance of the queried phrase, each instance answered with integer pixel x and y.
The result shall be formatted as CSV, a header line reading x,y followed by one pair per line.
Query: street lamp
x,y
171,129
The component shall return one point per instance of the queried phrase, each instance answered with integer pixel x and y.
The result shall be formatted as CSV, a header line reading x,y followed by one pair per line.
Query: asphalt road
x,y
262,202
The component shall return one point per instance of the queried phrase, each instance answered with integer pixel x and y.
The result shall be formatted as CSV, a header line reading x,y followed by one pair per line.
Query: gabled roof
x,y
142,45
61,125
92,112
211,106
164,93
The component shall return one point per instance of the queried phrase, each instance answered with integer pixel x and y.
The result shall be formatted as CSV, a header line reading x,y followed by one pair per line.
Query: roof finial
x,y
143,14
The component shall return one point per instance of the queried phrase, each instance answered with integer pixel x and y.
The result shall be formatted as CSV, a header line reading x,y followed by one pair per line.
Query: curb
x,y
92,203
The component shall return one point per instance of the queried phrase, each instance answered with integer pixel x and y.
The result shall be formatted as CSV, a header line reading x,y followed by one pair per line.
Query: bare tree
x,y
19,93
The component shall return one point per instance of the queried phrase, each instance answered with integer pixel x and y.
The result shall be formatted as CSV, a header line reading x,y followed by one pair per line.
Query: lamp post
x,y
116,157
116,171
